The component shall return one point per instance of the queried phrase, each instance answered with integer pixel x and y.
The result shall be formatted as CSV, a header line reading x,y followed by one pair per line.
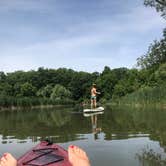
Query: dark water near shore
x,y
119,136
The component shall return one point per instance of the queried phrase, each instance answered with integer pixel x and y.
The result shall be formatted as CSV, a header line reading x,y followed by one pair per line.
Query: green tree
x,y
106,70
80,85
2,76
128,83
160,6
46,91
108,80
17,89
155,56
119,91
105,84
160,74
60,92
6,89
27,89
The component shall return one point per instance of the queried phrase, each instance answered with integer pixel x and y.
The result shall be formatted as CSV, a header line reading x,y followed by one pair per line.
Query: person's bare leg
x,y
8,160
95,104
77,156
91,103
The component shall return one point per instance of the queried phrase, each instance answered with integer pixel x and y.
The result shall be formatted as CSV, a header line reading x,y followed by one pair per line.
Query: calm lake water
x,y
118,137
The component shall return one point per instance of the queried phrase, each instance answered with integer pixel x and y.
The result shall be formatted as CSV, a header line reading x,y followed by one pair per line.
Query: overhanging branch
x,y
161,2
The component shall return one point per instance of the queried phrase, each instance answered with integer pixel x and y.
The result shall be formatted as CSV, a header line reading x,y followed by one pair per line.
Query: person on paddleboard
x,y
93,96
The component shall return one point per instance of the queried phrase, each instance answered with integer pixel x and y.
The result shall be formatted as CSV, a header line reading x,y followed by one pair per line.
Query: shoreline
x,y
14,108
139,105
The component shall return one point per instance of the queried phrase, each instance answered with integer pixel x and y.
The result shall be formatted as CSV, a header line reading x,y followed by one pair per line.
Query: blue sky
x,y
84,35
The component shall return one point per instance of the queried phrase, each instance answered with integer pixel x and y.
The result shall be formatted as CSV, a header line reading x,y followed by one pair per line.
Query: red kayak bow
x,y
45,153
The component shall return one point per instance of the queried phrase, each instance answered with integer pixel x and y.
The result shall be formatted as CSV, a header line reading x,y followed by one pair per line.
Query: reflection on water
x,y
95,128
117,137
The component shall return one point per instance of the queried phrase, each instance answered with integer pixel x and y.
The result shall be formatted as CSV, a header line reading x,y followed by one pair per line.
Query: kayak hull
x,y
45,154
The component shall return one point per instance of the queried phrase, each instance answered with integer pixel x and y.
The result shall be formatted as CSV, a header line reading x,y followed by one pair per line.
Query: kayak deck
x,y
45,154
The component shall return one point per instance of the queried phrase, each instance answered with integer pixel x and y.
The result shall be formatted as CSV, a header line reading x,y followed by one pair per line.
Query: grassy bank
x,y
144,96
7,102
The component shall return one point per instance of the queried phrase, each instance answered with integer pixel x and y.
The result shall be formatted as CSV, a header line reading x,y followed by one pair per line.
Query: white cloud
x,y
13,63
124,38
23,5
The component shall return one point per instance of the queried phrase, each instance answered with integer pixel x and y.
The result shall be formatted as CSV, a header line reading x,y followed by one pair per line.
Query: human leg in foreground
x,y
77,156
8,160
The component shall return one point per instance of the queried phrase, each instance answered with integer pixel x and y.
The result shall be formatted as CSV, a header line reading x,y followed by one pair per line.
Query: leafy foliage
x,y
160,74
155,56
45,91
160,6
60,92
27,89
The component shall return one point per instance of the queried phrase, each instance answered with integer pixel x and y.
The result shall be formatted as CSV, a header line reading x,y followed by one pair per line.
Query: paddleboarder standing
x,y
93,96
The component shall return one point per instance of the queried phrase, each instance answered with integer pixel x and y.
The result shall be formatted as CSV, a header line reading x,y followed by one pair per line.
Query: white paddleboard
x,y
88,114
98,109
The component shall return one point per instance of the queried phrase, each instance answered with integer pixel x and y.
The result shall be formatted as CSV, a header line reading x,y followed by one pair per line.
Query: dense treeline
x,y
61,84
41,87
50,86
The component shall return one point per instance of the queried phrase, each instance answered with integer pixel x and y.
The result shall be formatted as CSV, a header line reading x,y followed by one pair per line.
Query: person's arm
x,y
96,92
